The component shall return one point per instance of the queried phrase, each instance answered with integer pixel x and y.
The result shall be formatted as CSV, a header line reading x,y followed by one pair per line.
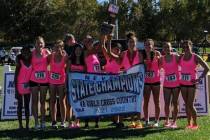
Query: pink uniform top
x,y
23,79
171,78
152,74
112,66
126,63
39,67
77,67
93,64
57,74
188,71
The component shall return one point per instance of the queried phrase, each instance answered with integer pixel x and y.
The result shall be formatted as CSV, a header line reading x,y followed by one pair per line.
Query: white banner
x,y
93,95
9,106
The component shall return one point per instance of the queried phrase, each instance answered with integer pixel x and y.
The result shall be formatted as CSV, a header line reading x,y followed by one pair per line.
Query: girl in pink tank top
x,y
92,64
112,54
169,63
22,76
152,80
39,80
130,58
188,71
188,80
77,64
113,64
152,74
39,64
58,62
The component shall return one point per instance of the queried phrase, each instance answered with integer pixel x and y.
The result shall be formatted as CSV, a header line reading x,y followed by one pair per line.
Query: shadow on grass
x,y
100,133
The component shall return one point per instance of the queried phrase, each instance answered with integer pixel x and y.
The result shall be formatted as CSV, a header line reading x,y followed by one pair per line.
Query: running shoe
x,y
188,126
156,124
63,125
173,125
138,124
96,126
77,125
86,126
147,124
194,127
54,125
132,125
167,124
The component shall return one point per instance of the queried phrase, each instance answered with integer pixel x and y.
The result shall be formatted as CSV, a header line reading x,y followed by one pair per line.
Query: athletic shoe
x,y
156,124
194,127
138,124
73,125
188,126
147,124
63,125
86,126
173,126
132,125
167,124
96,126
77,125
54,125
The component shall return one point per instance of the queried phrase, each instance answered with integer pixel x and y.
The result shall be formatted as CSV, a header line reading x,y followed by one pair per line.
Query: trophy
x,y
108,27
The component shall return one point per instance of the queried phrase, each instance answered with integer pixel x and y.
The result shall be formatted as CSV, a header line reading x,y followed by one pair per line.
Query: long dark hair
x,y
73,55
152,53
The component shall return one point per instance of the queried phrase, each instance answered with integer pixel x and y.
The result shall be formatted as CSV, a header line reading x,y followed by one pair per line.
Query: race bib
x,y
150,74
55,76
171,77
40,75
186,77
97,68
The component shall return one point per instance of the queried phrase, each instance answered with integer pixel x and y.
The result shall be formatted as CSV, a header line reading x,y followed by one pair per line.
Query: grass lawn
x,y
8,130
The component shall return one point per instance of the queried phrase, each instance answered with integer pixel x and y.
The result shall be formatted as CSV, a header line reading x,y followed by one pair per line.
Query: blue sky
x,y
100,1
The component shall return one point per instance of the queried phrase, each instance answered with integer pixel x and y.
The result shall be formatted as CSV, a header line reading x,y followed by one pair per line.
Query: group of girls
x,y
40,69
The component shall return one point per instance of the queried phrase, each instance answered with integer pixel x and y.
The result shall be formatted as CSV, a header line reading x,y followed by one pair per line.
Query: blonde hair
x,y
167,43
38,38
150,41
59,43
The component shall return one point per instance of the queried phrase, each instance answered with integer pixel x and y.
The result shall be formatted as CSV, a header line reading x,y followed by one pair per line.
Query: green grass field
x,y
8,130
